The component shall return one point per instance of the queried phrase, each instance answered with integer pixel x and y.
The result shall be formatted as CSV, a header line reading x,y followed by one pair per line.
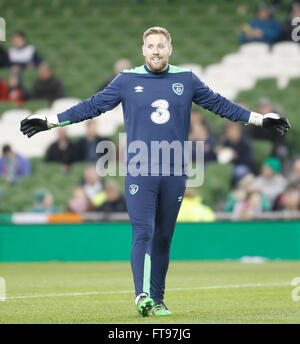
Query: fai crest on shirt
x,y
133,189
178,88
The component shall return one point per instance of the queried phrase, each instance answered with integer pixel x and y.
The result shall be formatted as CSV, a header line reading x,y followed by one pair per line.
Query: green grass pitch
x,y
197,292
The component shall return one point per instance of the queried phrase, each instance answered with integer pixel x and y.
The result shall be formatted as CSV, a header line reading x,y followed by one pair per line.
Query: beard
x,y
157,67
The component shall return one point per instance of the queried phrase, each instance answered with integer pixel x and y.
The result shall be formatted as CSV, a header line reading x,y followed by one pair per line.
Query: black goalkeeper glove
x,y
270,121
277,122
34,124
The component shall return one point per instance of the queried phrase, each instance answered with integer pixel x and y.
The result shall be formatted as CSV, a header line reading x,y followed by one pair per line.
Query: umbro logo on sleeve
x,y
139,89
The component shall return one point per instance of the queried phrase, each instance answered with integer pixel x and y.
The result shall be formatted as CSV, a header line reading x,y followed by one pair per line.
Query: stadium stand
x,y
74,35
82,39
237,72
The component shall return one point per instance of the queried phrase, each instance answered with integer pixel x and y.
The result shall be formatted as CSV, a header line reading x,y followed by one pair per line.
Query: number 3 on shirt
x,y
161,115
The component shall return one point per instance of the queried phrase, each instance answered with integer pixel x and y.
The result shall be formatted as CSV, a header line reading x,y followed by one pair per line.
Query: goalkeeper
x,y
156,99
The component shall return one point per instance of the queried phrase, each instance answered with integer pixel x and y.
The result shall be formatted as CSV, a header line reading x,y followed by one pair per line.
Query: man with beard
x,y
157,99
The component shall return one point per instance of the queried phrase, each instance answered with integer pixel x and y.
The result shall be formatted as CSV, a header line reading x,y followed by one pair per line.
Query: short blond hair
x,y
157,30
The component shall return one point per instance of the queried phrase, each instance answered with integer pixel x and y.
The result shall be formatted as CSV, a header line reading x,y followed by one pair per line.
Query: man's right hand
x,y
33,124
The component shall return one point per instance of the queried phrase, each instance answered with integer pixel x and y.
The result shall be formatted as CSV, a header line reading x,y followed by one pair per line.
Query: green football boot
x,y
144,305
160,310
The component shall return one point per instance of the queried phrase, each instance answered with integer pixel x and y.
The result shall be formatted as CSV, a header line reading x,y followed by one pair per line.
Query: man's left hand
x,y
277,122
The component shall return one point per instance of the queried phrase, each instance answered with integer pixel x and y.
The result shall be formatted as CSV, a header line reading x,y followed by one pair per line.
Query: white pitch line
x,y
228,286
249,285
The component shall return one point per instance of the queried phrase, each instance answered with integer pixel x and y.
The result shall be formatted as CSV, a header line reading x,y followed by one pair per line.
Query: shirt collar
x,y
157,73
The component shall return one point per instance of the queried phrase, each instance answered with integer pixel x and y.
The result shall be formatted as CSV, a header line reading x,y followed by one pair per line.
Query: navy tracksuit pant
x,y
153,203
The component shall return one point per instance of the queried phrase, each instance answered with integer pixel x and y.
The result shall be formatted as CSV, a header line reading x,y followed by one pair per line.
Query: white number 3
x,y
161,115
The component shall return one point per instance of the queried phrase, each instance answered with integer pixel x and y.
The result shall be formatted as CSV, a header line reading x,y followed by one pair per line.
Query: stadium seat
x,y
34,105
14,116
286,49
214,188
45,176
63,104
4,106
254,49
196,69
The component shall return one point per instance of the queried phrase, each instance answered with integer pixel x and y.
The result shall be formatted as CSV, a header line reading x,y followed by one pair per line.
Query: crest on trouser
x,y
178,88
133,189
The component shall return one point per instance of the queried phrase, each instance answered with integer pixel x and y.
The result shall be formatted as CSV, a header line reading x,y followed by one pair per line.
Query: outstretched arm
x,y
101,102
223,107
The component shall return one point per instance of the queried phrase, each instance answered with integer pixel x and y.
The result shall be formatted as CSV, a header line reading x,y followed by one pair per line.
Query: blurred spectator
x,y
13,90
47,85
44,202
78,203
263,28
112,200
3,57
249,208
290,199
61,150
199,131
16,92
118,67
196,119
86,147
270,182
236,148
92,183
193,210
21,54
279,149
13,166
3,90
295,177
239,195
287,27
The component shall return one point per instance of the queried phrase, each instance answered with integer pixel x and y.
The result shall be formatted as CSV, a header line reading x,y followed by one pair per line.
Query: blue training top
x,y
156,106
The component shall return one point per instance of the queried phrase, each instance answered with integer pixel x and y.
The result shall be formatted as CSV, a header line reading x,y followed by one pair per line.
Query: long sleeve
x,y
101,102
216,103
